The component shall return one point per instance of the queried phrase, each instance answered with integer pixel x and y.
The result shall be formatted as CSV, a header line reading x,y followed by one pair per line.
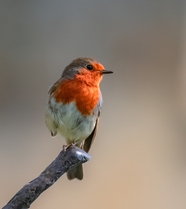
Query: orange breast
x,y
85,96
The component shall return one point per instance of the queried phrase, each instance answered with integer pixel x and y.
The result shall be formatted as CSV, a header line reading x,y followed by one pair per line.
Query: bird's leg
x,y
66,146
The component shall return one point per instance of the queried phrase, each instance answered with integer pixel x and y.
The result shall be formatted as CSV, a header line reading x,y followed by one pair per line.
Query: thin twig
x,y
66,159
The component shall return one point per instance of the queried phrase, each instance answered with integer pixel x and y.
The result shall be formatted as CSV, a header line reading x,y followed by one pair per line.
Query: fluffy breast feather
x,y
70,123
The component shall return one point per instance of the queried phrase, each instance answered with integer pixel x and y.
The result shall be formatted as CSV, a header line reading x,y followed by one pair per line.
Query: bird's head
x,y
85,70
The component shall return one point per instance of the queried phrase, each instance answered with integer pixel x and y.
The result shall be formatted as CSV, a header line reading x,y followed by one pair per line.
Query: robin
x,y
74,106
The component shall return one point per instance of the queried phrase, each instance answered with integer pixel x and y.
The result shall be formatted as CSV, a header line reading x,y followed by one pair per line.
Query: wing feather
x,y
90,139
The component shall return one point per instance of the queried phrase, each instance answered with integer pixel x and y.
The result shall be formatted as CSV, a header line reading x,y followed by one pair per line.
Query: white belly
x,y
66,120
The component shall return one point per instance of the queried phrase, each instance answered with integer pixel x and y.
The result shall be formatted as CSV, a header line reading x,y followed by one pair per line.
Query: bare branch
x,y
72,157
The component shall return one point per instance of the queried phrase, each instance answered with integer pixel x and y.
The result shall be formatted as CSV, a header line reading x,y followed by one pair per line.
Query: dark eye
x,y
89,67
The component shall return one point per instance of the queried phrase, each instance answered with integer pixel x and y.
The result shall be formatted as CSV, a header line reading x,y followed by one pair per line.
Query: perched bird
x,y
74,105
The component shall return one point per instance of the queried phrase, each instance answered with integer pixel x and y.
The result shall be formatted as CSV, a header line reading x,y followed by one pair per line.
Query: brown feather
x,y
53,88
90,139
76,172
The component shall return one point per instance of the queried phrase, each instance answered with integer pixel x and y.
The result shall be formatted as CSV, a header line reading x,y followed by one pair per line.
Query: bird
x,y
74,105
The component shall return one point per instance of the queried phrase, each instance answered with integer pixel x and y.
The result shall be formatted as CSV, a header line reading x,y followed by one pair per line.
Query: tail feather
x,y
76,172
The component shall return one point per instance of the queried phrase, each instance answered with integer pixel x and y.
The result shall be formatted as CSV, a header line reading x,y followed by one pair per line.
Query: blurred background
x,y
138,160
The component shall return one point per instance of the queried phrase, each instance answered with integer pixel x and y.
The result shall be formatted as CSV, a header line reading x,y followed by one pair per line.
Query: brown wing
x,y
89,140
51,125
53,88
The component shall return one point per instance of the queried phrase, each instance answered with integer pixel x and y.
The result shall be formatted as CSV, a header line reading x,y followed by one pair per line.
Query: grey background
x,y
138,158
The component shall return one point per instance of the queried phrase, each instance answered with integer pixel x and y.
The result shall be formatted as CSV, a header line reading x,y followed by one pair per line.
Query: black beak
x,y
106,72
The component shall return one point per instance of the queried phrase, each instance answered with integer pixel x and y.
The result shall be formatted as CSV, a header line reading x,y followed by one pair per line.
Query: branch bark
x,y
66,160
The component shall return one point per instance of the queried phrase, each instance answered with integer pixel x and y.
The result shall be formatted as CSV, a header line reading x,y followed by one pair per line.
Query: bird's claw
x,y
66,146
